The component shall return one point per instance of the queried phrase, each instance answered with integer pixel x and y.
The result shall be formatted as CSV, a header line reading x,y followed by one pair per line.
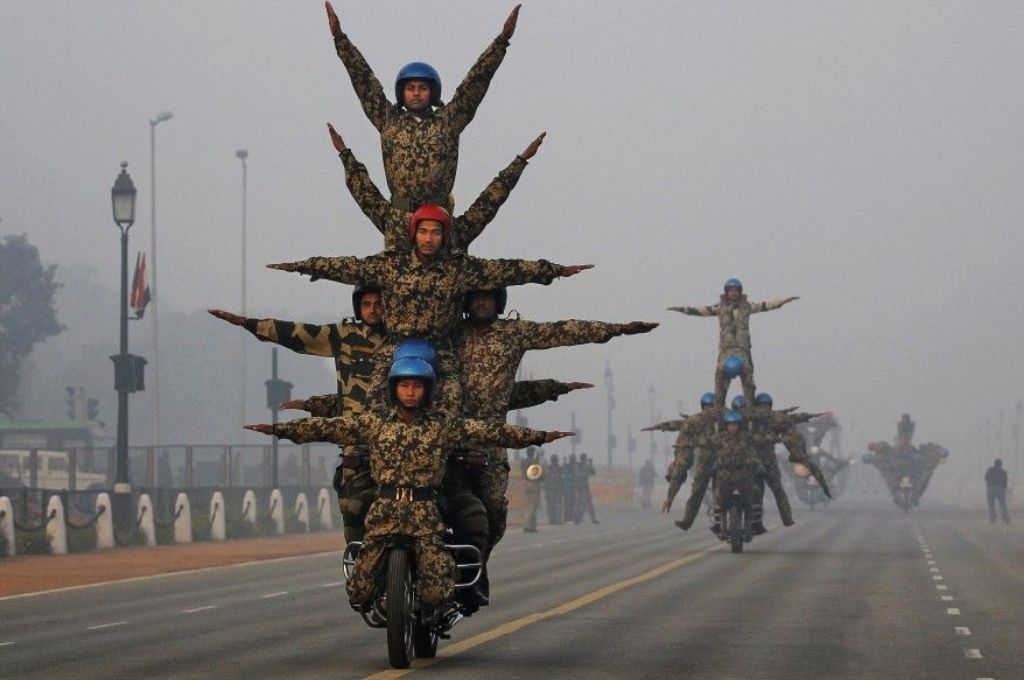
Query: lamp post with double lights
x,y
153,301
128,368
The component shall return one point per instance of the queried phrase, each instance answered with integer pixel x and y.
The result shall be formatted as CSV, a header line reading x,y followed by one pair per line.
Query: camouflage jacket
x,y
393,222
351,343
525,393
694,431
735,454
774,427
489,356
407,454
733,319
421,153
424,300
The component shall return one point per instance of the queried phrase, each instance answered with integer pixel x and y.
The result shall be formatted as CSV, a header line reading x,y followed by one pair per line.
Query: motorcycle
x,y
904,495
738,514
412,628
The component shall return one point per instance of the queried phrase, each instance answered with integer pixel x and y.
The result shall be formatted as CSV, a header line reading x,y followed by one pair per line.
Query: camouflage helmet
x,y
733,366
418,70
411,367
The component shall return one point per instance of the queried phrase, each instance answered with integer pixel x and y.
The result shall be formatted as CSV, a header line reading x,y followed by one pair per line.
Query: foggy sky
x,y
863,156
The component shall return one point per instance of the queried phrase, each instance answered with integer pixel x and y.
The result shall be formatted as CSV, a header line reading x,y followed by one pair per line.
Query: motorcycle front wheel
x,y
399,608
736,529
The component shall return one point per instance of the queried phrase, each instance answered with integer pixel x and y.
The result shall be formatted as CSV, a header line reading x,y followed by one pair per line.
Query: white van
x,y
52,473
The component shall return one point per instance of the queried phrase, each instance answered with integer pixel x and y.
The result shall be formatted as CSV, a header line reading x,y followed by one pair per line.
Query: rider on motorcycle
x,y
737,464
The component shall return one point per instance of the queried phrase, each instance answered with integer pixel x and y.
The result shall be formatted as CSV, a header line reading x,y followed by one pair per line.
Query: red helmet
x,y
430,211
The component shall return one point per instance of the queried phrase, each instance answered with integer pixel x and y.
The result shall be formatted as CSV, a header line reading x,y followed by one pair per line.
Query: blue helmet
x,y
411,367
733,283
418,70
707,399
733,366
763,399
739,402
417,348
500,299
732,417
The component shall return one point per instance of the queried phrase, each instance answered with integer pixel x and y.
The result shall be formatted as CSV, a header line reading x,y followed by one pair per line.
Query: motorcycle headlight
x,y
801,470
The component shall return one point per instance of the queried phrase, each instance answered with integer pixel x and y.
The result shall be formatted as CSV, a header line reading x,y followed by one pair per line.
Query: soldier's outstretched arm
x,y
368,88
321,405
343,269
480,274
547,334
341,430
527,393
666,426
484,209
704,310
295,335
366,194
769,305
469,433
463,105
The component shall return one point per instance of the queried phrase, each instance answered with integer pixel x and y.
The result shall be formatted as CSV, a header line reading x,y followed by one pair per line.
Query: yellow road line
x,y
513,626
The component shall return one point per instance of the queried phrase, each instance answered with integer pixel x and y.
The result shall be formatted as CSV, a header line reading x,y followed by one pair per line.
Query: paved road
x,y
846,593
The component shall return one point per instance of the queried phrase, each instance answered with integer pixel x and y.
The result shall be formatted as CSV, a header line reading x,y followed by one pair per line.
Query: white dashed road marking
x,y
947,598
953,611
962,630
199,609
941,587
972,653
270,595
6,644
332,585
936,577
107,625
934,570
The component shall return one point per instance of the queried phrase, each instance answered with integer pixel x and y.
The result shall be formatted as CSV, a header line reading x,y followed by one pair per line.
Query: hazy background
x,y
864,156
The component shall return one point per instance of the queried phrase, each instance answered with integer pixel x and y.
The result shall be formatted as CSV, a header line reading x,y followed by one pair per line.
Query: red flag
x,y
140,296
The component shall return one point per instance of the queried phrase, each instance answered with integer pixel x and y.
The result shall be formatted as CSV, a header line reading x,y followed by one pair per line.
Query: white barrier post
x,y
323,509
218,527
144,518
277,510
56,532
7,523
104,523
249,507
182,520
302,510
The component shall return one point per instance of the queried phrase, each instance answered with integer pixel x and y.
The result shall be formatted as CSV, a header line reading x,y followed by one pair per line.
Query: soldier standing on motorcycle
x,y
770,428
733,312
352,343
408,452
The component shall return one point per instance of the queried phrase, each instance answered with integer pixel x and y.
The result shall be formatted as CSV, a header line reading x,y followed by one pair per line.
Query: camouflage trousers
x,y
584,506
743,479
464,512
419,520
746,378
773,478
698,487
490,484
553,498
356,492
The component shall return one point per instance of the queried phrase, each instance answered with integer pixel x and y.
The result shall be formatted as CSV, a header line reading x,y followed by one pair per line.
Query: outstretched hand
x,y
332,20
636,327
263,428
296,404
574,269
336,140
531,150
579,386
284,266
552,435
666,506
791,299
234,319
507,30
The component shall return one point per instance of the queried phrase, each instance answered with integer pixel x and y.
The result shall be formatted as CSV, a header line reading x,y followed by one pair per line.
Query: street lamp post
x,y
128,368
155,402
242,155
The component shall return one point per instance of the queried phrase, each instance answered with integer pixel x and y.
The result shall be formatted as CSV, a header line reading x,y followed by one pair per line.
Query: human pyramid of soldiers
x,y
736,446
426,367
906,461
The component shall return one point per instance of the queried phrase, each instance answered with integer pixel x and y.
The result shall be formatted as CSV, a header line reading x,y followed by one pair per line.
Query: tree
x,y
27,314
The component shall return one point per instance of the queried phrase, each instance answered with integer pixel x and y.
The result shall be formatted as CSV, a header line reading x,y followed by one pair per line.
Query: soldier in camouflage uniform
x,y
352,343
584,500
569,495
489,351
737,465
691,429
553,490
393,223
733,312
408,452
419,135
423,290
